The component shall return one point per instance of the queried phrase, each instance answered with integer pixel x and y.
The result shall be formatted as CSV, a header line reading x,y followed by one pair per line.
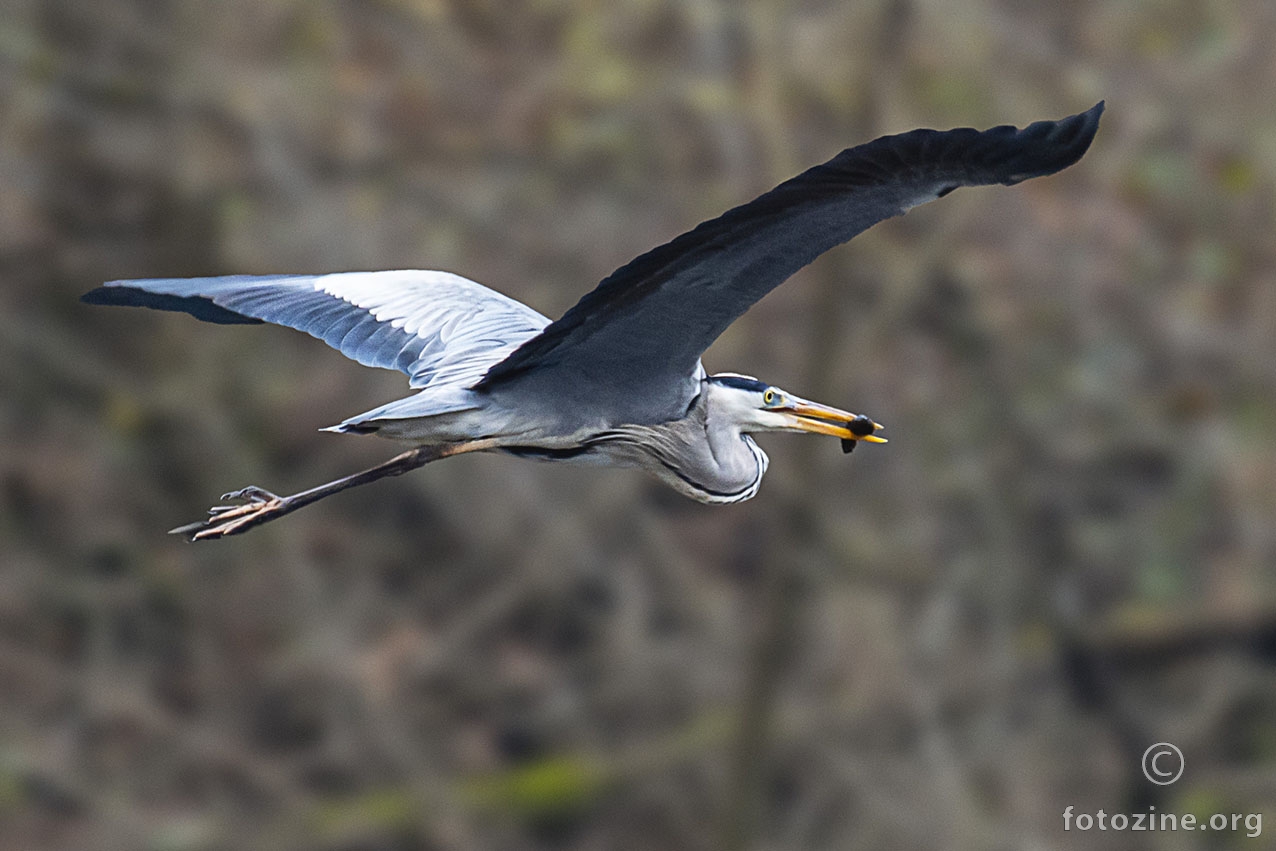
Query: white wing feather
x,y
437,327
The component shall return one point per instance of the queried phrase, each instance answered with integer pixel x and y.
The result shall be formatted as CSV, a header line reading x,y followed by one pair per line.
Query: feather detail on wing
x,y
644,327
436,327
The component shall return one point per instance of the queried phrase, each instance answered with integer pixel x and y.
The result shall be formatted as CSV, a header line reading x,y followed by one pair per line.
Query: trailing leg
x,y
261,506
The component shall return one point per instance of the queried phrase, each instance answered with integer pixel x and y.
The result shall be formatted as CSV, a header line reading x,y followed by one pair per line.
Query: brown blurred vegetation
x,y
1064,555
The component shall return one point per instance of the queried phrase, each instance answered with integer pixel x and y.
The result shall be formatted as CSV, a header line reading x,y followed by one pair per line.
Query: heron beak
x,y
822,419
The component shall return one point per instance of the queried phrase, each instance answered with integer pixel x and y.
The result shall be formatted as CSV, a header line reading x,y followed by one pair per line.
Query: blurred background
x,y
1064,555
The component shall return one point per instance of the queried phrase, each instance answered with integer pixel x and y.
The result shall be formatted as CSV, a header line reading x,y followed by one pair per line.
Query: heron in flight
x,y
618,378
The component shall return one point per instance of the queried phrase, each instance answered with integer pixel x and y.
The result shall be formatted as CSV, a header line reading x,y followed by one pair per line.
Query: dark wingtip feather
x,y
1004,154
1051,146
198,306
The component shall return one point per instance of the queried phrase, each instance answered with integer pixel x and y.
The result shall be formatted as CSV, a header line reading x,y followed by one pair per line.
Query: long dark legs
x,y
262,506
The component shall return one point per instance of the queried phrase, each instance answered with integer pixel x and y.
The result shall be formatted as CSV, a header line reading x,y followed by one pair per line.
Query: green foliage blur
x,y
1064,555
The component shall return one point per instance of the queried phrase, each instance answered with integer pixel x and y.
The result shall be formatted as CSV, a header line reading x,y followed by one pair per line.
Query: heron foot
x,y
259,506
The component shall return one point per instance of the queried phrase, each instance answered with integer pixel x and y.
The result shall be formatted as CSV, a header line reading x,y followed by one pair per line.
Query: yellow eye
x,y
768,398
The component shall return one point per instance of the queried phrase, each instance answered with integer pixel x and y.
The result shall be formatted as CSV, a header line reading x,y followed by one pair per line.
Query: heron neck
x,y
708,458
699,456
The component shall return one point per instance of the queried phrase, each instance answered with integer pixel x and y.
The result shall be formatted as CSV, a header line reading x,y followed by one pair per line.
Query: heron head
x,y
753,406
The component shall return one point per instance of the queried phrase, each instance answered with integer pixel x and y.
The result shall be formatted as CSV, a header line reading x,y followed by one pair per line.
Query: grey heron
x,y
618,378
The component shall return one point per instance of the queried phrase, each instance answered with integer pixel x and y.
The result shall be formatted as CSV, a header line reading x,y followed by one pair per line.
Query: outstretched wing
x,y
635,340
435,326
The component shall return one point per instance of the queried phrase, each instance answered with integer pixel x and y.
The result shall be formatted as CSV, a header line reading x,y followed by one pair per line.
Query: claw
x,y
189,528
251,493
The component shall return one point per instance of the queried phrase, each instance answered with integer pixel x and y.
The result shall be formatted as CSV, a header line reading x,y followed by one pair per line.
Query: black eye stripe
x,y
738,382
